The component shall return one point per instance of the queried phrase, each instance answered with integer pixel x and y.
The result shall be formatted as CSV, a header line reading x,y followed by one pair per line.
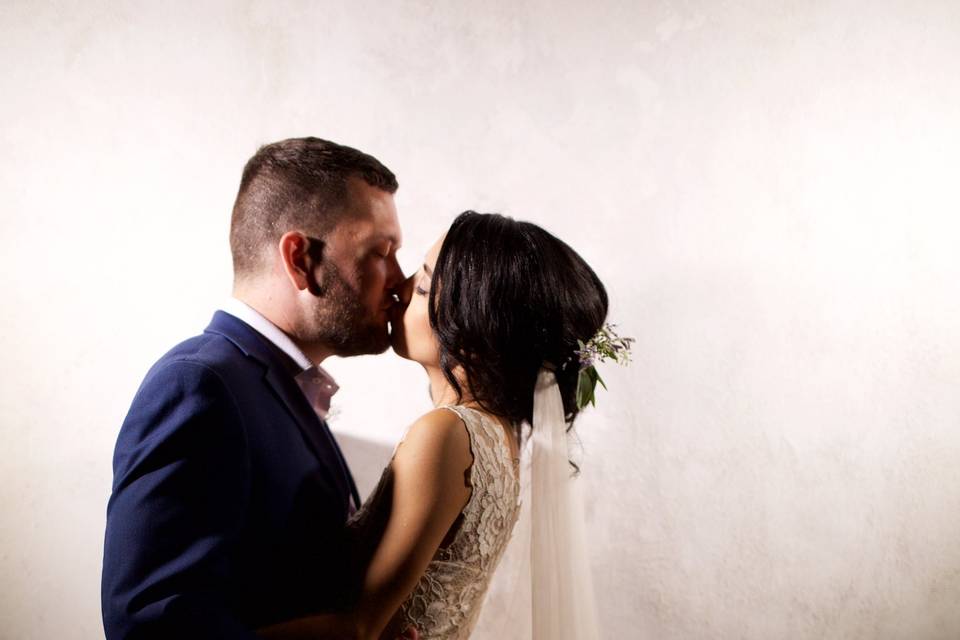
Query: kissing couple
x,y
233,512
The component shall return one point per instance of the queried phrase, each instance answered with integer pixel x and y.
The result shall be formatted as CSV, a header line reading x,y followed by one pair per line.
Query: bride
x,y
497,316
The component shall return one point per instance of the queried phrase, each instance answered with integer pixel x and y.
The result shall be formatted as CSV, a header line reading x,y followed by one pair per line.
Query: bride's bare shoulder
x,y
437,434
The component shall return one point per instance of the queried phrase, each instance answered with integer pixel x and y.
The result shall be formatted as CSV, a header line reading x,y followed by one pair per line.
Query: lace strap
x,y
485,439
470,420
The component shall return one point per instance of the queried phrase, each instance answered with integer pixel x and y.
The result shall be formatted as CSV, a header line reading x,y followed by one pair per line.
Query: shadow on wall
x,y
367,459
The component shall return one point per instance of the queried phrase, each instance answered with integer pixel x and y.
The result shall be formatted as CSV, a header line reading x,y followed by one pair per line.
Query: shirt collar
x,y
317,385
268,330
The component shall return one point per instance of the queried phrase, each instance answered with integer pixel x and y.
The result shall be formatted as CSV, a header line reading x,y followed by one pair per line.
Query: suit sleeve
x,y
181,485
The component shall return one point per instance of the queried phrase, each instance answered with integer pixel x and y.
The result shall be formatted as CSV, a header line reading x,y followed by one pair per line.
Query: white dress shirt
x,y
317,385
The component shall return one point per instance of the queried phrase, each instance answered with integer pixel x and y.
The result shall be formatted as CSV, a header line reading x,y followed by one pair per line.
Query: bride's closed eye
x,y
422,280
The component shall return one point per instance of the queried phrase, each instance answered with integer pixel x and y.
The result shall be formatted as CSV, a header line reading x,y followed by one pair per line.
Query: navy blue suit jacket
x,y
229,496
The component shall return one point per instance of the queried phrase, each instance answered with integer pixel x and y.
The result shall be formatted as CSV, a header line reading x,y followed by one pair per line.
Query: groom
x,y
230,492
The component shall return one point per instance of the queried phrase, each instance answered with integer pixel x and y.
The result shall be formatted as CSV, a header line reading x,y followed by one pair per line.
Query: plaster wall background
x,y
769,191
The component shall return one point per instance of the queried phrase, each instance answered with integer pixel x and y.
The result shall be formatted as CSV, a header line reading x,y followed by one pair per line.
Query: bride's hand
x,y
410,633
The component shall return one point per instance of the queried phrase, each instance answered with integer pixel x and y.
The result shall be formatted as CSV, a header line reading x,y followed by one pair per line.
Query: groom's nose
x,y
395,277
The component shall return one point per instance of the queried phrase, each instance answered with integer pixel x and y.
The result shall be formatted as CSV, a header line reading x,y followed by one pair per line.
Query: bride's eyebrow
x,y
427,270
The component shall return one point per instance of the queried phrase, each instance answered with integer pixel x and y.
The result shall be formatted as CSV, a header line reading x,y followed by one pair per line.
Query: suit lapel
x,y
279,376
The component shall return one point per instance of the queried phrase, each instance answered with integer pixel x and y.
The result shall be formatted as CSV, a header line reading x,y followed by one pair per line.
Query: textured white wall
x,y
769,191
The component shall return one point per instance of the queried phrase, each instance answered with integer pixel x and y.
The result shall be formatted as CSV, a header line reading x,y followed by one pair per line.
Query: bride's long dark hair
x,y
506,299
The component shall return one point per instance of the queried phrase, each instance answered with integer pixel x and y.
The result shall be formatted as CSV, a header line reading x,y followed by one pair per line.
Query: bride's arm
x,y
429,492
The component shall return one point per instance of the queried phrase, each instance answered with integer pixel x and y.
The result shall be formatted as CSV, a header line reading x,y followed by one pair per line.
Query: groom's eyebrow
x,y
388,237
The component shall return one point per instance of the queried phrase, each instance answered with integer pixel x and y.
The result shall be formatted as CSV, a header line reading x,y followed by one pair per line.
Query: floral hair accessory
x,y
605,345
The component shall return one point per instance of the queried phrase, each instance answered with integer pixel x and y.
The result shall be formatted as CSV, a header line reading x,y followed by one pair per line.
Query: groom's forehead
x,y
365,201
370,230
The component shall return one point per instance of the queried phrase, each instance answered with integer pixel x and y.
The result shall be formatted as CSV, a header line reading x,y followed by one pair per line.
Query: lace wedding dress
x,y
447,600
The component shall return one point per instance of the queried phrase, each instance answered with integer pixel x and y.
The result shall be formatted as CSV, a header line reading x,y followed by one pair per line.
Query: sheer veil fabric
x,y
543,588
564,606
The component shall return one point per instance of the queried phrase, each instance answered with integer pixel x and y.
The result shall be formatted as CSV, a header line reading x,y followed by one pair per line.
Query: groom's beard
x,y
341,322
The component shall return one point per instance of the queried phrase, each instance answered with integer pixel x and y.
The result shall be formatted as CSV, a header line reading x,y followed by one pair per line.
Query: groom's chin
x,y
366,341
380,343
397,343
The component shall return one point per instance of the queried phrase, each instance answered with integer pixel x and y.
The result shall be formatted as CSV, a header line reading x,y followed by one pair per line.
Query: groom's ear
x,y
300,255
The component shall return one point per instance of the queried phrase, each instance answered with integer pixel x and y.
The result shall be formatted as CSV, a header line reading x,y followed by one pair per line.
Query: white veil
x,y
561,585
543,588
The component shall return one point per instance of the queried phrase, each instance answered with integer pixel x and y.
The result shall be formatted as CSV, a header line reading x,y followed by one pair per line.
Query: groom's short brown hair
x,y
295,184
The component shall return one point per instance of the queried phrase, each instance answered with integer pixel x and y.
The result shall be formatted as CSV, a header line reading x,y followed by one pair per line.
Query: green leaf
x,y
586,386
599,379
584,389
